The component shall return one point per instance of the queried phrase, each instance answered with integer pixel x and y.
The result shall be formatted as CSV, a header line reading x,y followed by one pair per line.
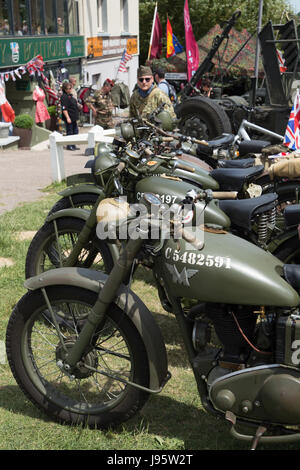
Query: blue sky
x,y
295,4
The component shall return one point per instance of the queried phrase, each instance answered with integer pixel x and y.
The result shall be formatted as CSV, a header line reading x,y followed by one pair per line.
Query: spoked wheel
x,y
97,392
81,201
52,244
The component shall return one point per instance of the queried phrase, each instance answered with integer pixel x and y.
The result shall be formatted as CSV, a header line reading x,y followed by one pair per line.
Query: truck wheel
x,y
202,118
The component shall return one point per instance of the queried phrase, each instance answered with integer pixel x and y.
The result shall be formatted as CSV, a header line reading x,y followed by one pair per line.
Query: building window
x,y
37,19
50,23
62,17
102,15
21,17
124,16
4,18
71,15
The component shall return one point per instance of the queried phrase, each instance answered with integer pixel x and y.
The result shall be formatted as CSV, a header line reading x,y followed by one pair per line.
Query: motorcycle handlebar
x,y
224,194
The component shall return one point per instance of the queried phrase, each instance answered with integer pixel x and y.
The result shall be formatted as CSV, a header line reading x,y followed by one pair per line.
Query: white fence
x,y
57,142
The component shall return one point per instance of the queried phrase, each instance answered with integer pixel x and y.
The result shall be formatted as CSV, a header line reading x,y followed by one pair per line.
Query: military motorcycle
x,y
86,350
68,236
83,189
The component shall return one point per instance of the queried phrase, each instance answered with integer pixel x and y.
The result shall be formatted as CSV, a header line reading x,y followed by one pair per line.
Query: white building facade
x,y
110,27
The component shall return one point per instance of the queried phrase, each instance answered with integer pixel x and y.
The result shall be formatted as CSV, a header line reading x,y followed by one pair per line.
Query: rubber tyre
x,y
289,251
42,254
82,200
58,396
202,118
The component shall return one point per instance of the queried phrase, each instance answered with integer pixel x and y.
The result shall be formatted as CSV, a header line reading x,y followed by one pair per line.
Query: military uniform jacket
x,y
102,103
141,107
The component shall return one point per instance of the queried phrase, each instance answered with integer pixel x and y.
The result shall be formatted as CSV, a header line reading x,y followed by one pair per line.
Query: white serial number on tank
x,y
200,259
165,198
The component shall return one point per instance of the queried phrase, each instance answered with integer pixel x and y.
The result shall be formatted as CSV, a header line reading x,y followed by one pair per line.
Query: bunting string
x,y
33,67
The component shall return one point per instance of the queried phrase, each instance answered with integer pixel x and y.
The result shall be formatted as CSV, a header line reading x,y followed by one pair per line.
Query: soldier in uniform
x,y
148,97
102,106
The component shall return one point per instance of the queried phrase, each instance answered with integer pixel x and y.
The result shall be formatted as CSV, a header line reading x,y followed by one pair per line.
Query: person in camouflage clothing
x,y
148,97
102,106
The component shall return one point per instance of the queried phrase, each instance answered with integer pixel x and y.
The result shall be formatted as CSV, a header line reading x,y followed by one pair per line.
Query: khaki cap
x,y
144,71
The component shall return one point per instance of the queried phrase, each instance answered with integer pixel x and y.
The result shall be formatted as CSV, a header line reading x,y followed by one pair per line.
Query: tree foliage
x,y
205,14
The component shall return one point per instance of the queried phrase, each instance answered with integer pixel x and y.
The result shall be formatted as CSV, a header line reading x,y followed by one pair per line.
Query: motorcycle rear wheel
x,y
90,397
47,252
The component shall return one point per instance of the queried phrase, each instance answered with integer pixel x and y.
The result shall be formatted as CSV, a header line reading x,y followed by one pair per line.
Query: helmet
x,y
104,159
127,130
110,214
166,121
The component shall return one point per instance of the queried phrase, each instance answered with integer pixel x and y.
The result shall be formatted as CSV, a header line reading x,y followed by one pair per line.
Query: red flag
x,y
156,37
191,46
170,45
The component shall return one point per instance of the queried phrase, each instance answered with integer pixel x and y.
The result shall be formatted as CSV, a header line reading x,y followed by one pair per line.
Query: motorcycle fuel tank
x,y
188,172
227,270
171,191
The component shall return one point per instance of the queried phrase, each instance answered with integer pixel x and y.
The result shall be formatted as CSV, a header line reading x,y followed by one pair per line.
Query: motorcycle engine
x,y
266,388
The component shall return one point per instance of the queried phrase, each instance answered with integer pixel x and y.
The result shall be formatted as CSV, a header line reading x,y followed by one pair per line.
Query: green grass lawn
x,y
172,420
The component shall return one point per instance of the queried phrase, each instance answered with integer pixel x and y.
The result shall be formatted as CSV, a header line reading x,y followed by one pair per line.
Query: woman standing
x,y
70,113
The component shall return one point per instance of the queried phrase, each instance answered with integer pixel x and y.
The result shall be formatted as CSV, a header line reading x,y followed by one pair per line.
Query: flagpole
x,y
151,37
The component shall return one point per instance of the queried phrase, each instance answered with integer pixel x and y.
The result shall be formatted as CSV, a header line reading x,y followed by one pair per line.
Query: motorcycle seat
x,y
292,215
252,146
242,163
241,211
291,274
219,142
233,179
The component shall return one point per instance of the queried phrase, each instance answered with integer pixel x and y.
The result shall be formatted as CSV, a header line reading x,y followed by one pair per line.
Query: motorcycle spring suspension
x,y
266,224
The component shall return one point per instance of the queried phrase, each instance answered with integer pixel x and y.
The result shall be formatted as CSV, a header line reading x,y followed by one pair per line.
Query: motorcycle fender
x,y
282,187
71,212
80,178
128,301
81,188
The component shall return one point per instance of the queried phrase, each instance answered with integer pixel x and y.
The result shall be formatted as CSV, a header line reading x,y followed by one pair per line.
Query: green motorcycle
x,y
68,236
85,349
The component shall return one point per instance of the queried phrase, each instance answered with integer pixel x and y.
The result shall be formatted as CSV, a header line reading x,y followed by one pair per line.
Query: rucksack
x,y
120,95
172,93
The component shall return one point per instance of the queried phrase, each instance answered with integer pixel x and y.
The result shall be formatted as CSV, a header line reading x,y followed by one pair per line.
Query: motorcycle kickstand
x,y
255,439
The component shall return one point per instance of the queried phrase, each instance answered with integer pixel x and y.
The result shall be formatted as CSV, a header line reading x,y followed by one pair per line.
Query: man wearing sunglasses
x,y
148,97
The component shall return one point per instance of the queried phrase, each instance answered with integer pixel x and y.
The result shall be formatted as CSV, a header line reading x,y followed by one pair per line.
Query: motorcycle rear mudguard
x,y
282,188
83,215
127,301
81,188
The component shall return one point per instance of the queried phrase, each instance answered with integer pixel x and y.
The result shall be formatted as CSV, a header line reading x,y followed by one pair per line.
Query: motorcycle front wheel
x,y
92,395
51,246
81,201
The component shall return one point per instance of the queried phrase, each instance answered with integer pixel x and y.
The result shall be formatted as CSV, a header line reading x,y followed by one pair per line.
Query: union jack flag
x,y
124,59
291,137
281,61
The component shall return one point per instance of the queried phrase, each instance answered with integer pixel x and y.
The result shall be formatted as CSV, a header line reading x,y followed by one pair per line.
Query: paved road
x,y
23,174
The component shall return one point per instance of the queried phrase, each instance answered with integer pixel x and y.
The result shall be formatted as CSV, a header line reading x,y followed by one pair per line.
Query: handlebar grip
x,y
181,166
192,239
121,167
225,194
